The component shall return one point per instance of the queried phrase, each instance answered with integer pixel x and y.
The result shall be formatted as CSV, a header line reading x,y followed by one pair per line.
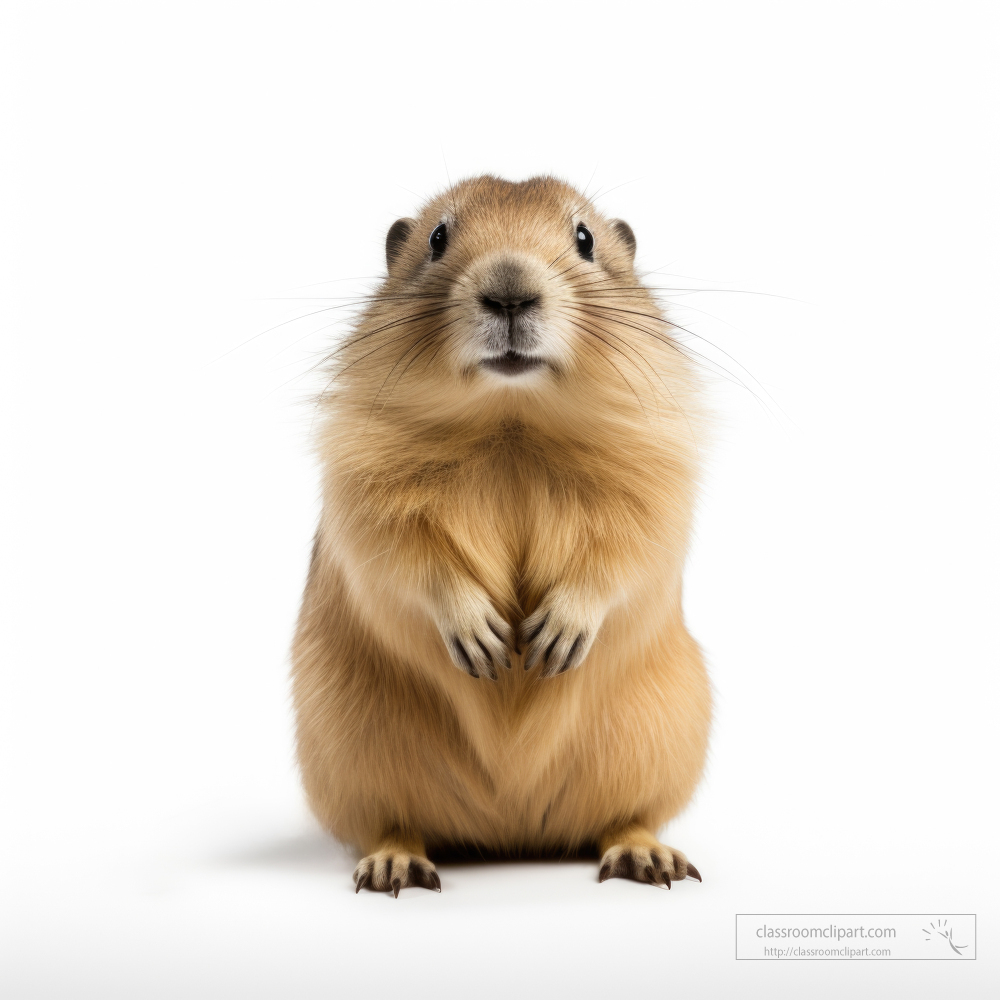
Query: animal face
x,y
501,293
509,259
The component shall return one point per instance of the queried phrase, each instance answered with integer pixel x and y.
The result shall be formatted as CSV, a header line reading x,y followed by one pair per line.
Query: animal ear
x,y
625,234
395,238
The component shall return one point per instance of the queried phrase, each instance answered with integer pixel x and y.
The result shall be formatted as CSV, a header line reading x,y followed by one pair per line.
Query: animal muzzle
x,y
511,308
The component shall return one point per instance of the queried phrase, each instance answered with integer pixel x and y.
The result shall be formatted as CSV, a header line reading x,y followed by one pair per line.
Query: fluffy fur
x,y
476,524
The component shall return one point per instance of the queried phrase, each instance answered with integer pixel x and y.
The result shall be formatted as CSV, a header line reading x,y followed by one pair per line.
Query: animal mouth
x,y
513,363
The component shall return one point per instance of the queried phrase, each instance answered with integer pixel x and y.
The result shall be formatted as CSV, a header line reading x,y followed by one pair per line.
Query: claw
x,y
652,868
495,629
464,657
394,871
572,653
536,631
486,652
552,645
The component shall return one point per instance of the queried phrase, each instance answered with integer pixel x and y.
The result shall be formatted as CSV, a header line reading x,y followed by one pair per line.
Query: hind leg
x,y
396,862
633,852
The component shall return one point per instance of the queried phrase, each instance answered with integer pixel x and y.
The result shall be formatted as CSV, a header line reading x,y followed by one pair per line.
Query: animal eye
x,y
585,242
438,241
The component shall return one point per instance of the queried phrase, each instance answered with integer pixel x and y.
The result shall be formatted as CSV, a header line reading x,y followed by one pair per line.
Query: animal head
x,y
509,298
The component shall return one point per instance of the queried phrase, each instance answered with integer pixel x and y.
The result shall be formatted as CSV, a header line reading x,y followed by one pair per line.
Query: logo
x,y
942,930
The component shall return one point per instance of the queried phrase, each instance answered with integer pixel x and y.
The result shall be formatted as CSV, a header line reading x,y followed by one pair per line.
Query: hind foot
x,y
395,869
636,854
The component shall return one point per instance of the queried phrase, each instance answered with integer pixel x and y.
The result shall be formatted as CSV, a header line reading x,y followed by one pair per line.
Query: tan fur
x,y
453,497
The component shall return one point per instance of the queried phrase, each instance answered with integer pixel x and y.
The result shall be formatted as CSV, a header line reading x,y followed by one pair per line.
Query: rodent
x,y
491,652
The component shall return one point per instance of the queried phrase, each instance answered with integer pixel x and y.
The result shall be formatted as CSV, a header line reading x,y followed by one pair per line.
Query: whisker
x,y
678,326
668,341
421,339
422,350
560,257
600,330
659,377
694,357
413,317
368,354
591,181
271,329
360,299
616,368
731,291
592,297
579,263
679,288
336,281
602,192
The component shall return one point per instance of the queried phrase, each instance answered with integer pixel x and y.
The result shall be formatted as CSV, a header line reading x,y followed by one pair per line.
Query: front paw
x,y
560,633
477,638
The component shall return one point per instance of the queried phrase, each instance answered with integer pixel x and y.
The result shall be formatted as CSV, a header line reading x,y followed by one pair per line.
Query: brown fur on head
x,y
590,326
509,472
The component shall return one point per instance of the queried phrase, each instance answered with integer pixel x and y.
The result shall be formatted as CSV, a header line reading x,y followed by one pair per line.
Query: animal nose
x,y
509,306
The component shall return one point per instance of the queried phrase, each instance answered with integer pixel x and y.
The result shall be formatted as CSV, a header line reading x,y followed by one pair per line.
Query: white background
x,y
175,175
